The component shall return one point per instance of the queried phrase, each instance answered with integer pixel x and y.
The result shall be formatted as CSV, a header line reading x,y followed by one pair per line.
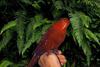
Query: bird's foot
x,y
56,51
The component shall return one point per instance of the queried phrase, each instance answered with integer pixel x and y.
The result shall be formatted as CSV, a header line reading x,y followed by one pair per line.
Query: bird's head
x,y
62,24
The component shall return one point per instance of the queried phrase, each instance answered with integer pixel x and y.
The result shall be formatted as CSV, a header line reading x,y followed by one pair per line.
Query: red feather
x,y
51,39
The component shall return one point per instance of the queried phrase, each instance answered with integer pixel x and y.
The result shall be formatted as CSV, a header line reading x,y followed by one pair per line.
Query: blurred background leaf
x,y
5,63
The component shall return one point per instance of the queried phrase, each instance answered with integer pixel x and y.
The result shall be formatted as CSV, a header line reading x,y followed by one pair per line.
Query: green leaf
x,y
85,19
36,5
91,35
97,34
29,29
35,36
56,13
79,35
5,63
20,37
65,65
58,4
7,26
36,25
38,21
6,38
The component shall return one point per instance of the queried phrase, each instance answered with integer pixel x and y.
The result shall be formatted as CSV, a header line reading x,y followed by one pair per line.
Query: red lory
x,y
51,40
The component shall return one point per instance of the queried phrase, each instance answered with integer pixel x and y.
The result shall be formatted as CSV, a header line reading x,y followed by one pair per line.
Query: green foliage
x,y
5,63
3,2
58,4
26,1
85,19
26,21
91,36
35,36
37,21
5,40
36,5
7,26
98,35
20,32
78,33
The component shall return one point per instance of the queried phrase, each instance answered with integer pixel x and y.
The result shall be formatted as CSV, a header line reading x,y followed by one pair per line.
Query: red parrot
x,y
51,39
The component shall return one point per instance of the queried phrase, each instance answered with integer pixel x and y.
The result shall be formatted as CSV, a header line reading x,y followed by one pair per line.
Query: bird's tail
x,y
33,61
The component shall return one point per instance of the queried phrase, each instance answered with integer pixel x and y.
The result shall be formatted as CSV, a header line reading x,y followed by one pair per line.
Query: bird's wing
x,y
51,39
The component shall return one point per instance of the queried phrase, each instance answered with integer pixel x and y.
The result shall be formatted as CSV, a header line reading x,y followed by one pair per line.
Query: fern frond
x,y
91,36
36,5
85,19
5,63
5,40
8,26
58,4
29,29
20,37
97,34
94,6
78,33
39,21
35,36
33,32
